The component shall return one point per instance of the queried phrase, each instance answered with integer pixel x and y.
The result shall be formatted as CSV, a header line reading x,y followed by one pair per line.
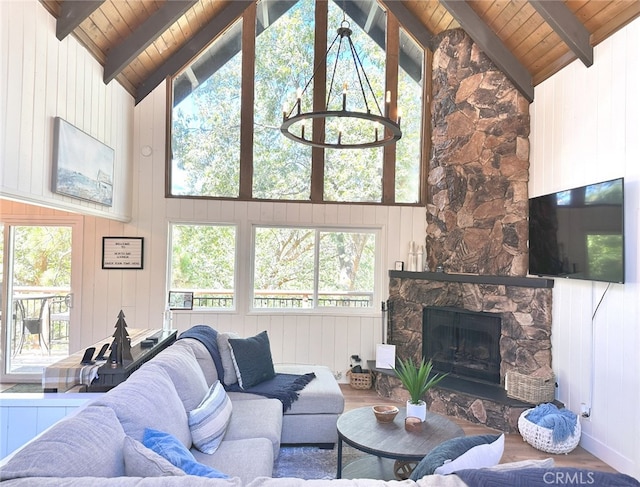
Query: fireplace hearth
x,y
462,342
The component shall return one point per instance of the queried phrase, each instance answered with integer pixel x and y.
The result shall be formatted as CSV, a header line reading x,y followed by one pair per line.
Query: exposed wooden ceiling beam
x,y
491,45
129,48
567,26
72,14
410,23
196,44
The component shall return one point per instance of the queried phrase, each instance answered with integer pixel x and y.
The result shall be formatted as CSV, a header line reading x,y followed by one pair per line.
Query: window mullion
x,y
248,96
391,81
316,268
319,98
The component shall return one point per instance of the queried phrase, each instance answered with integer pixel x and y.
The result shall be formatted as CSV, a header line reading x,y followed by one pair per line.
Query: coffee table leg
x,y
339,474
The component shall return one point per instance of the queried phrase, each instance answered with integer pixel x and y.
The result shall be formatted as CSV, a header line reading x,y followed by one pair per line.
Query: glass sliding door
x,y
37,297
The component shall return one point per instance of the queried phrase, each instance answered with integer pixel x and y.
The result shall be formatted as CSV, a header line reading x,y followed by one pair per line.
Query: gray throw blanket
x,y
284,387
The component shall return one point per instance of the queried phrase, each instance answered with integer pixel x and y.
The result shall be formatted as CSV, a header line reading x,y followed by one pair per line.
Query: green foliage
x,y
42,256
203,257
417,378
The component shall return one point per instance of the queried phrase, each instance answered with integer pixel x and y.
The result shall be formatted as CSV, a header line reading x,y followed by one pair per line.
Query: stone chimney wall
x,y
477,203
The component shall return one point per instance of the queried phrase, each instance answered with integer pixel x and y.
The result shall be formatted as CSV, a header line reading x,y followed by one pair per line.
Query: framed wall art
x,y
122,252
82,165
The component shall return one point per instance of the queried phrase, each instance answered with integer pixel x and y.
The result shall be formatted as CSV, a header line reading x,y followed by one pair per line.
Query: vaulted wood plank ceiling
x,y
141,42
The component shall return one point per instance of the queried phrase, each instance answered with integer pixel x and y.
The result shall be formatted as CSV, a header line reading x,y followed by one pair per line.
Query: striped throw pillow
x,y
208,422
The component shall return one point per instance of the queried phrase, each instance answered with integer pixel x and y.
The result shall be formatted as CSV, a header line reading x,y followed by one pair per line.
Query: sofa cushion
x,y
170,448
246,459
230,376
88,443
461,453
148,399
202,356
259,418
185,372
252,359
208,422
320,396
140,461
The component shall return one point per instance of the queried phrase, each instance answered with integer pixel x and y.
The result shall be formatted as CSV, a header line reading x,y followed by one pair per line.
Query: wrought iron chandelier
x,y
343,128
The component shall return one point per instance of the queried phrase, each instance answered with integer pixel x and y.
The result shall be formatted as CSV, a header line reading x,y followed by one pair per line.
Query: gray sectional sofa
x,y
101,444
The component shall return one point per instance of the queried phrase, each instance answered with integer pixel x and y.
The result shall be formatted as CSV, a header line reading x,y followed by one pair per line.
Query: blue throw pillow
x,y
252,359
170,448
448,452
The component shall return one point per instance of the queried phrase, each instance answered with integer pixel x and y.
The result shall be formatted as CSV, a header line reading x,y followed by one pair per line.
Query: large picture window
x,y
203,261
227,108
313,268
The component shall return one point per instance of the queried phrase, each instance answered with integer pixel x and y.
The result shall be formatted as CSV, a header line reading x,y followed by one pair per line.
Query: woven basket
x,y
534,390
360,381
542,438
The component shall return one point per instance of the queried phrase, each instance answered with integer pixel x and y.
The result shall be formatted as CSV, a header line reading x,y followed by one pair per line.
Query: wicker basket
x,y
542,438
534,390
360,380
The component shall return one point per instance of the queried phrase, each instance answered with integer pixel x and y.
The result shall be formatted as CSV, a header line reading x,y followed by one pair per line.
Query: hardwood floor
x,y
515,448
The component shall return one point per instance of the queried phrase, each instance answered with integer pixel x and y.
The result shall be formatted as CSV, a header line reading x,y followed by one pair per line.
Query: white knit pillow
x,y
208,422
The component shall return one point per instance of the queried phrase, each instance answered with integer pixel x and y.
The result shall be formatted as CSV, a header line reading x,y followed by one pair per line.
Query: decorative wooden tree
x,y
121,342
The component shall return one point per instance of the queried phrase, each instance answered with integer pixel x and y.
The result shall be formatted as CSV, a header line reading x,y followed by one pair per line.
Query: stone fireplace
x,y
477,232
521,306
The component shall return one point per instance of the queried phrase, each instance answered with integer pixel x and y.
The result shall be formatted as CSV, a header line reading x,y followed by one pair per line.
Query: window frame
x,y
376,230
248,20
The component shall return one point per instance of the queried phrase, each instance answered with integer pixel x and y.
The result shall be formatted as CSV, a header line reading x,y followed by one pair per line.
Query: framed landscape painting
x,y
82,165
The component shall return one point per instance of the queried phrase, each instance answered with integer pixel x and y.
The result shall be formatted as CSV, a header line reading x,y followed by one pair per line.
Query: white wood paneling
x,y
24,416
585,129
44,78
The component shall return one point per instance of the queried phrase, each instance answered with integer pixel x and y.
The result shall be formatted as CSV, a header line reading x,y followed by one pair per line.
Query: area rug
x,y
310,462
30,388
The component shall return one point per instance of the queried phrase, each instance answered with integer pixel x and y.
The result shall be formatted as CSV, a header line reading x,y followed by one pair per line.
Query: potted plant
x,y
417,380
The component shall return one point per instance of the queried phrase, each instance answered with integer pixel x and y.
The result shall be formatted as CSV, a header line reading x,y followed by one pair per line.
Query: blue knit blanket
x,y
284,387
562,422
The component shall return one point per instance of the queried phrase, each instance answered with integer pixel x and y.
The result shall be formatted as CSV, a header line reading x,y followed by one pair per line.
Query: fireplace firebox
x,y
462,343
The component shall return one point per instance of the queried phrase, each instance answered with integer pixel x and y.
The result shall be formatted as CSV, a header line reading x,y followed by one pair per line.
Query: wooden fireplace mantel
x,y
532,282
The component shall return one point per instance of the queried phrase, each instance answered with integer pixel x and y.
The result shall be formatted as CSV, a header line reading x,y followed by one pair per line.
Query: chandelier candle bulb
x,y
387,103
344,97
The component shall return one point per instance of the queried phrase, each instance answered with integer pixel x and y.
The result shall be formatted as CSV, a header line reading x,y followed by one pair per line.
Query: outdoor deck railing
x,y
358,300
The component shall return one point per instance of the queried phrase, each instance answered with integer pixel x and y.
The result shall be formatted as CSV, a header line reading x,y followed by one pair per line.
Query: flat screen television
x,y
579,233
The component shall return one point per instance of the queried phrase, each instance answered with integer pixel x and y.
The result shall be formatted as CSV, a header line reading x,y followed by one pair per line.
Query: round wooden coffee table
x,y
360,429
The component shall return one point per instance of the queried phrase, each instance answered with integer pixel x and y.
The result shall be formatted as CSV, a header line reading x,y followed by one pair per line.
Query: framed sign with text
x,y
122,252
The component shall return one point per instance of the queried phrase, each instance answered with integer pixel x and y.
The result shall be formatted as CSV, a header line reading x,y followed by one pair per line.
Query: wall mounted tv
x,y
579,233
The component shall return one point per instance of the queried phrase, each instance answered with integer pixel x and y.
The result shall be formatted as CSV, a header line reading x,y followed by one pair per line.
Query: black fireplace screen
x,y
463,343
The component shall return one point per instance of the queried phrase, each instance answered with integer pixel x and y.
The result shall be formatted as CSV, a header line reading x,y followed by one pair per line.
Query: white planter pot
x,y
417,410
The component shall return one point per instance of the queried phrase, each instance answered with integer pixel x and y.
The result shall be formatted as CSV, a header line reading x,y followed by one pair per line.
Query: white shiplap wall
x,y
42,78
586,128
